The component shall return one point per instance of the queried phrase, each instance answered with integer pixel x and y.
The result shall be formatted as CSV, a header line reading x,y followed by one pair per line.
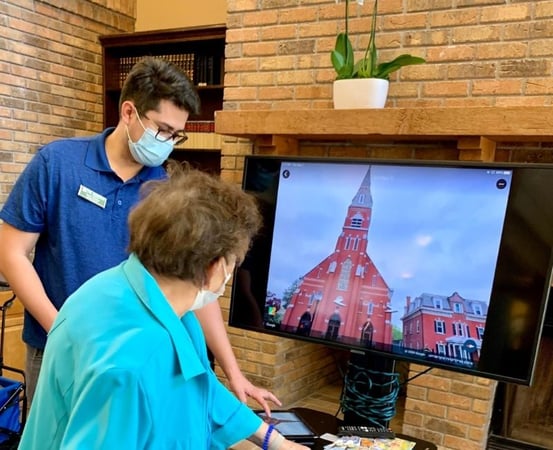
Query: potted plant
x,y
374,74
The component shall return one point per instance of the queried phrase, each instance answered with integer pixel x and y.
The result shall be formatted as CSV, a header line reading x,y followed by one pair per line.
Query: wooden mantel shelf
x,y
495,124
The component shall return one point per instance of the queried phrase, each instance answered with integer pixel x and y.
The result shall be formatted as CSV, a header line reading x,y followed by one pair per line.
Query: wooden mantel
x,y
495,123
474,128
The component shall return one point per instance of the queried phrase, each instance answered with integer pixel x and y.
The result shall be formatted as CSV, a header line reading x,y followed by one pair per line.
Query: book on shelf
x,y
125,65
207,70
199,140
200,126
184,61
201,135
203,70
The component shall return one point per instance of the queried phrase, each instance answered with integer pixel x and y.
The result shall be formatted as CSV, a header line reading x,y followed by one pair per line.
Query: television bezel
x,y
539,318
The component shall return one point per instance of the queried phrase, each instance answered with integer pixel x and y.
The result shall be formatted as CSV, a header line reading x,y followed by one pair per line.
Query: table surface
x,y
321,423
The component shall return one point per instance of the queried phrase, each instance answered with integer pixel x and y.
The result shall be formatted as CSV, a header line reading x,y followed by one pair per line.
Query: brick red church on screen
x,y
345,293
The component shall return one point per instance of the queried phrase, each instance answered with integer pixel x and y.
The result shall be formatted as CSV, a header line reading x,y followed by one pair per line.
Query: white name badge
x,y
91,196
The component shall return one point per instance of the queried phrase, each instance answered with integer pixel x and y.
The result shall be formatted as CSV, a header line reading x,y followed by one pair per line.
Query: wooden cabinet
x,y
13,347
198,51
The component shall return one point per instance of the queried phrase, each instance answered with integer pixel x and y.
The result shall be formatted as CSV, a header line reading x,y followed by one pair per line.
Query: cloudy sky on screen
x,y
434,229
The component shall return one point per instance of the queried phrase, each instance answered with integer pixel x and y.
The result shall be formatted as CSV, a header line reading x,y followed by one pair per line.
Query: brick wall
x,y
479,53
451,409
51,73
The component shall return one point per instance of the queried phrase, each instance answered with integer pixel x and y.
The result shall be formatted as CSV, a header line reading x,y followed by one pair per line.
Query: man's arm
x,y
17,269
213,326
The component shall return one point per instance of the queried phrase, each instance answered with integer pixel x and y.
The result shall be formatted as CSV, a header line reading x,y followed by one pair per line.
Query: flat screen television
x,y
446,264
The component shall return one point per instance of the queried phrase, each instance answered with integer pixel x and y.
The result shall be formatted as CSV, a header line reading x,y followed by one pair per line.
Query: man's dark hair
x,y
154,79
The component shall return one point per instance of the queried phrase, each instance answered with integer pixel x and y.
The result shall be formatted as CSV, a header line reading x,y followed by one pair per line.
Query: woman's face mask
x,y
205,297
148,150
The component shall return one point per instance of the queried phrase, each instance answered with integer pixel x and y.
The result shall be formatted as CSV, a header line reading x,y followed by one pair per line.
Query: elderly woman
x,y
125,365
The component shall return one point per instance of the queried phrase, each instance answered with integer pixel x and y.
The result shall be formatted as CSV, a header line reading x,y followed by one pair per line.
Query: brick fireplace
x,y
450,409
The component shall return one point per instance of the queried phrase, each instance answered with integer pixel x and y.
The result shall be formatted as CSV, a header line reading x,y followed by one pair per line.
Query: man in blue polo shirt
x,y
70,205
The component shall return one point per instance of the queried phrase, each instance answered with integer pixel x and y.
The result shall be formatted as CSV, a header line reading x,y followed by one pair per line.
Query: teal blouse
x,y
122,371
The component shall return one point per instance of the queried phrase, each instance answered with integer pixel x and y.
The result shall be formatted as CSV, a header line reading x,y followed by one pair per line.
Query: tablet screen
x,y
289,424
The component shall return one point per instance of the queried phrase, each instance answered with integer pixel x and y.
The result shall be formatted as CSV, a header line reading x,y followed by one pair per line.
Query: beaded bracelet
x,y
265,445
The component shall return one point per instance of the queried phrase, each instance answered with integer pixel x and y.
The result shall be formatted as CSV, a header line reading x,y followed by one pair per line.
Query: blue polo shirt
x,y
70,195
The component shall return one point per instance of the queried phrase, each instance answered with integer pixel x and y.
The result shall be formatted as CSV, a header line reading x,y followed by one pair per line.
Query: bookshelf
x,y
200,52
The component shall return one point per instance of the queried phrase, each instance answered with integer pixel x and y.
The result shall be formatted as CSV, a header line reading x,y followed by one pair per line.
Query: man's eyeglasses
x,y
178,137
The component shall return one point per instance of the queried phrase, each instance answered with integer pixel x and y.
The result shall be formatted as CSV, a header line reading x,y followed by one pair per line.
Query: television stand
x,y
321,423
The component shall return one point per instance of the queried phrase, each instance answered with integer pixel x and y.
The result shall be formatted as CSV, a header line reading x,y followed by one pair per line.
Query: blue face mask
x,y
148,150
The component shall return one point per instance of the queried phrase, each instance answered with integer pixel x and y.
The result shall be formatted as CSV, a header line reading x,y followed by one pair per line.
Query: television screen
x,y
444,264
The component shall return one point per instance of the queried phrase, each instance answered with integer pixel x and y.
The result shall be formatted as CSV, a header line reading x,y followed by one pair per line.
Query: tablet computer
x,y
290,425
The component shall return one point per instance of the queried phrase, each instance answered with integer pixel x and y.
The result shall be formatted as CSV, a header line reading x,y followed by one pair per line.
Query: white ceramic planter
x,y
359,93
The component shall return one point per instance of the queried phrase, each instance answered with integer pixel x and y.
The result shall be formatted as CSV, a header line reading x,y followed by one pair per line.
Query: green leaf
x,y
342,57
385,69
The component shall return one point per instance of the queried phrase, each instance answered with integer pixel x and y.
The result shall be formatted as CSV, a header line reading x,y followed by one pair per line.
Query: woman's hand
x,y
243,388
